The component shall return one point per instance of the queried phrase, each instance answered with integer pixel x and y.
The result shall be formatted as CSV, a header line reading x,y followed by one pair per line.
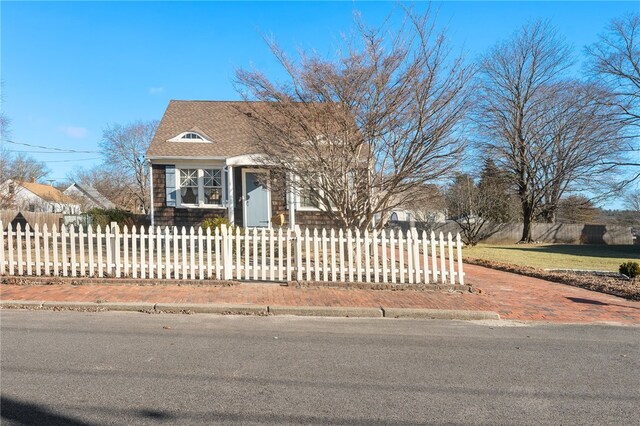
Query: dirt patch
x,y
629,289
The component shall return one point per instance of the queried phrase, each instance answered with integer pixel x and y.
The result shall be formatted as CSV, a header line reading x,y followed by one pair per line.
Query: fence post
x,y
1,249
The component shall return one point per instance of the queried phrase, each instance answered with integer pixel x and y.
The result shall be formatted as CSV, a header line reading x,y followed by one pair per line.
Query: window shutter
x,y
170,185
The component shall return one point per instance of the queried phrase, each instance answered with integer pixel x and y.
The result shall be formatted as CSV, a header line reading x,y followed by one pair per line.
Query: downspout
x,y
152,216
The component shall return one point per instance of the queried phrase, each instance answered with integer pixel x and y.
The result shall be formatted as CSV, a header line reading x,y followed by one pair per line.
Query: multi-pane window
x,y
309,199
189,186
212,184
192,136
201,187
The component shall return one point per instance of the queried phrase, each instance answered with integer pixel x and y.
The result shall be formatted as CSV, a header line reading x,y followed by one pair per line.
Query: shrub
x,y
104,217
216,222
630,269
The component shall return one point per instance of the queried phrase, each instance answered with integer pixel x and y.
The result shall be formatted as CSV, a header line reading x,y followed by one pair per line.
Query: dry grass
x,y
557,256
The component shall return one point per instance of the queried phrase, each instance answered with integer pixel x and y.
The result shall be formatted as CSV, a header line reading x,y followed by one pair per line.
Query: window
x,y
201,187
192,136
189,186
309,199
212,186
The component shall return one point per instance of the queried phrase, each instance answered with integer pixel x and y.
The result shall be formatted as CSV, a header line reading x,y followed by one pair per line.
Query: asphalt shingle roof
x,y
222,122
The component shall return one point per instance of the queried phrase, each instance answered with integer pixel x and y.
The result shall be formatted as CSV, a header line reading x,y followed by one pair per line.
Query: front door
x,y
256,199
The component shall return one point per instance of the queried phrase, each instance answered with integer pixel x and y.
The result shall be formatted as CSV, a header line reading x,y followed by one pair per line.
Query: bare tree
x,y
116,187
123,150
547,132
615,61
632,201
359,133
576,209
470,206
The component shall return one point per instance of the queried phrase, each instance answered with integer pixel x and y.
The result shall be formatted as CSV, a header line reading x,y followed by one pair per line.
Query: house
x,y
37,197
425,205
205,162
88,197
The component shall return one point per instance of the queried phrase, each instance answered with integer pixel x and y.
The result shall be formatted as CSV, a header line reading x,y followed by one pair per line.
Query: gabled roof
x,y
93,194
222,122
46,192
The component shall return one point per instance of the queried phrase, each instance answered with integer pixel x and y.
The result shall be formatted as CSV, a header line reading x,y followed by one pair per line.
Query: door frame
x,y
244,195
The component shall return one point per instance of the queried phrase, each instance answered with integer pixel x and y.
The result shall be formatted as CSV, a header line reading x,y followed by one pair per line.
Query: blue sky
x,y
71,68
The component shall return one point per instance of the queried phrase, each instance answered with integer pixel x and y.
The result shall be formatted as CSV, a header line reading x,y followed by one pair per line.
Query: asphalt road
x,y
130,368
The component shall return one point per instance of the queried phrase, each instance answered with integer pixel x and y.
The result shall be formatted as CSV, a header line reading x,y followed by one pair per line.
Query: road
x,y
131,368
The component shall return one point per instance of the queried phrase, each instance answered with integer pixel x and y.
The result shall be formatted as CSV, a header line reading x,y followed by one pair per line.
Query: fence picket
x,y
216,247
307,255
90,266
143,254
183,264
459,249
134,252
451,260
209,253
280,255
63,243
98,251
367,257
350,255
401,257
341,267
416,256
19,249
325,266
409,257
263,255
72,246
298,235
383,252
2,259
392,246
376,266
151,247
254,253
316,255
176,253
238,254
45,247
425,258
434,259
200,255
443,269
10,247
27,243
332,249
272,256
358,257
167,253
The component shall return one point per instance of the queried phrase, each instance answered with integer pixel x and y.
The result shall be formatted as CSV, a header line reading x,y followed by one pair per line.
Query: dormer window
x,y
190,137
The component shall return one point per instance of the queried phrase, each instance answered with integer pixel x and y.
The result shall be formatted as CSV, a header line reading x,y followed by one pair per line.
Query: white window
x,y
190,137
201,187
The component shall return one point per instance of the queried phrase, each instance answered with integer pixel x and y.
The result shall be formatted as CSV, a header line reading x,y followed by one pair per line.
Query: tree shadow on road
x,y
597,302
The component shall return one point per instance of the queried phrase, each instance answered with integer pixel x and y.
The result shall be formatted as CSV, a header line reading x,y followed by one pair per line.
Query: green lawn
x,y
557,256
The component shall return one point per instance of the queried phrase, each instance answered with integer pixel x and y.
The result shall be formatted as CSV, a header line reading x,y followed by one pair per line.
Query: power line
x,y
43,152
70,161
69,151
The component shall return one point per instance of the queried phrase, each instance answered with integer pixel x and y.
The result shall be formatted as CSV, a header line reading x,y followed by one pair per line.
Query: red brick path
x,y
512,296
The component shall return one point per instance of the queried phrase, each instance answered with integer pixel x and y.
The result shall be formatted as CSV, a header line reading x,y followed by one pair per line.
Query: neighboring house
x,y
37,197
205,162
88,197
425,205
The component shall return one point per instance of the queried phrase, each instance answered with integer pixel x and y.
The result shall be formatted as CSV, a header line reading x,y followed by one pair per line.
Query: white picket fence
x,y
226,254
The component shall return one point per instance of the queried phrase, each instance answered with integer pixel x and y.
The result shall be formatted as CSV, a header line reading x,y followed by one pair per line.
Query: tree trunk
x,y
527,219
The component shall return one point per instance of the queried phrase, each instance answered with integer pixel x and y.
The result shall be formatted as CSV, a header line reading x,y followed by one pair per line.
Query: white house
x,y
37,197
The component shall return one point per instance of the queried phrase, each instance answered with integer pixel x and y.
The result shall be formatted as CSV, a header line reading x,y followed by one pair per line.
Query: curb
x,y
202,308
326,311
249,309
440,314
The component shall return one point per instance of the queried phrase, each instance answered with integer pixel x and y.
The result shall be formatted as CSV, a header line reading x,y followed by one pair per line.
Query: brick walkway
x,y
512,296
